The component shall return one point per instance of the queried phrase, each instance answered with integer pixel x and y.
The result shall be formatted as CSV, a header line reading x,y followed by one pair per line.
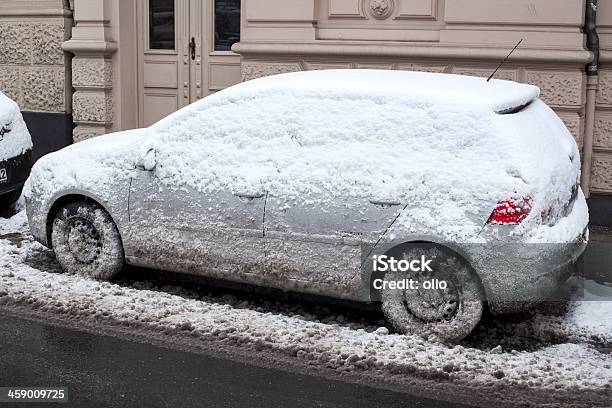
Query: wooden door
x,y
184,53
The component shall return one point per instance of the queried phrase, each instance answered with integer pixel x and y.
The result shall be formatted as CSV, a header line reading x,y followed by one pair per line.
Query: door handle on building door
x,y
192,48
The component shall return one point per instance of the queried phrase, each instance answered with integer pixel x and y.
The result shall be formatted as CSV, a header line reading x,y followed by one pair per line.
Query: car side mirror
x,y
148,161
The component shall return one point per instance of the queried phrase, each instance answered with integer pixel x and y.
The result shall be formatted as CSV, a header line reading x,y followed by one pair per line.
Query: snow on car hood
x,y
15,139
95,165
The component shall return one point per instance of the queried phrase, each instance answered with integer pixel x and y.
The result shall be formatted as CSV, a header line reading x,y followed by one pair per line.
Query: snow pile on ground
x,y
336,346
15,138
592,318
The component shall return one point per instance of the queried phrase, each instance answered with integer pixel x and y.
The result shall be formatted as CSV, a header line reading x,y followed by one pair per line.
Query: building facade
x,y
110,65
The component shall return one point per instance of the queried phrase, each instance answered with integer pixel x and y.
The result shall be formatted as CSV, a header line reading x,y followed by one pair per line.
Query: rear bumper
x,y
14,172
539,271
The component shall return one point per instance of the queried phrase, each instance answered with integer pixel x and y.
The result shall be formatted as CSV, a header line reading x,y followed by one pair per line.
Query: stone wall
x,y
34,70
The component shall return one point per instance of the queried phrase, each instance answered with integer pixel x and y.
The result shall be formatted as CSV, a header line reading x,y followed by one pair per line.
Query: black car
x,y
15,152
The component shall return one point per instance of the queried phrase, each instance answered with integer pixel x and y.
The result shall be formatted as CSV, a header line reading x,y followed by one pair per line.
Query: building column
x,y
92,68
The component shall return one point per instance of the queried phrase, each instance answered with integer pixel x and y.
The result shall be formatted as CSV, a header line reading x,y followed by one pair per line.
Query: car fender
x,y
117,207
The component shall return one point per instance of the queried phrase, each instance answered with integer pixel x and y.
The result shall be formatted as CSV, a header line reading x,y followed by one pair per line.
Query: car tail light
x,y
511,211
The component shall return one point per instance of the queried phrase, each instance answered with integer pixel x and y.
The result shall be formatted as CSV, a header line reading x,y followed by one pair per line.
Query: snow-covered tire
x,y
86,241
444,316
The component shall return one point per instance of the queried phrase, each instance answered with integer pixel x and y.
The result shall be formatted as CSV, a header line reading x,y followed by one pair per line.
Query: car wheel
x,y
441,315
8,200
86,241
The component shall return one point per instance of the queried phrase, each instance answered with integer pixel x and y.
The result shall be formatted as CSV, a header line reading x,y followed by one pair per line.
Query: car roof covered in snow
x,y
497,94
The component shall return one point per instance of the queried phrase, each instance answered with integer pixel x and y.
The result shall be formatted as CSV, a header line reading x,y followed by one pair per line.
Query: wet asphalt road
x,y
104,371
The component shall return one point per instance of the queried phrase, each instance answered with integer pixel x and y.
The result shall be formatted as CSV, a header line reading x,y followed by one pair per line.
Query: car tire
x,y
86,241
8,200
444,316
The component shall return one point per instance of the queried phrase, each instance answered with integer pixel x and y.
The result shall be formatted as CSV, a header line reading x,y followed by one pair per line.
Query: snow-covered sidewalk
x,y
576,365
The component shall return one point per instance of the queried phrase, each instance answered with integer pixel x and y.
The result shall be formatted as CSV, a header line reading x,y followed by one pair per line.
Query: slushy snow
x,y
333,344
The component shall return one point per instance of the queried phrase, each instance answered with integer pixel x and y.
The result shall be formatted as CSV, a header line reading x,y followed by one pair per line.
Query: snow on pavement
x,y
573,366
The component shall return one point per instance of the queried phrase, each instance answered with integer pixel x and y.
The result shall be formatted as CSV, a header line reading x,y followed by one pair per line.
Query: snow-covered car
x,y
15,152
294,181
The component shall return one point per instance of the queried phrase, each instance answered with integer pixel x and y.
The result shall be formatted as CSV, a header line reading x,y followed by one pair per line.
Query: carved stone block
x,y
252,70
15,44
47,42
92,72
84,132
92,106
380,9
602,172
43,89
559,87
603,130
604,90
9,82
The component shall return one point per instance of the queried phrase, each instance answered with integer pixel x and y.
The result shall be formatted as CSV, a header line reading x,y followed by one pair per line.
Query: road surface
x,y
104,371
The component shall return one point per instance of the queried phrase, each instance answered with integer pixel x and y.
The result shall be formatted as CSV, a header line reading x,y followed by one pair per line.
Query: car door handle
x,y
249,196
385,203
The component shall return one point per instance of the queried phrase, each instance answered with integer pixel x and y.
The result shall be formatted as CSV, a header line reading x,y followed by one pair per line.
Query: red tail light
x,y
511,211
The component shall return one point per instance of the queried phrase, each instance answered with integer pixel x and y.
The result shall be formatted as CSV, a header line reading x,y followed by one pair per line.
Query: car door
x,y
177,226
323,215
317,242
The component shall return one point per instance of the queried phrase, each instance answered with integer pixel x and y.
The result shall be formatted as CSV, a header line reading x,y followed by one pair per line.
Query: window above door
x,y
162,25
226,24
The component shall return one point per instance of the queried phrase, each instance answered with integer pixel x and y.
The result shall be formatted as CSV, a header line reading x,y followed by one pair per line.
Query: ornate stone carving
x,y
602,173
252,70
559,88
380,9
